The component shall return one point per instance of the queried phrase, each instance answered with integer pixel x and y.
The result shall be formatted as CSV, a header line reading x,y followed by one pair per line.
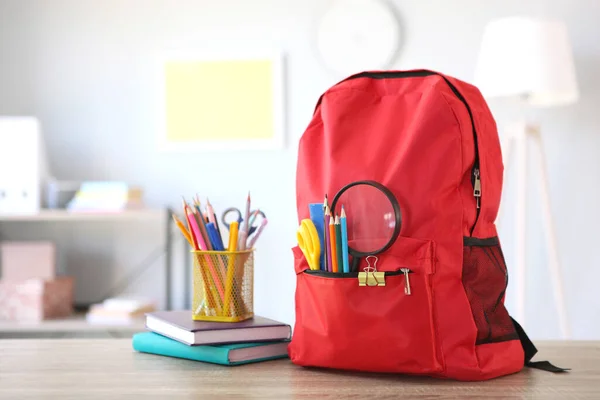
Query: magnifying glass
x,y
373,217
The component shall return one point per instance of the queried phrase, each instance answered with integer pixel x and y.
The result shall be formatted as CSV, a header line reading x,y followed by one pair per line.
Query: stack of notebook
x,y
175,334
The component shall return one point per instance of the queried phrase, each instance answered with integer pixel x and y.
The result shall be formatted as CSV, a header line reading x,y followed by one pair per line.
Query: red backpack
x,y
432,141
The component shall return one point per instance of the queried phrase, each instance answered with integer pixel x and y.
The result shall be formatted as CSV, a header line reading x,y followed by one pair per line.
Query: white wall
x,y
86,69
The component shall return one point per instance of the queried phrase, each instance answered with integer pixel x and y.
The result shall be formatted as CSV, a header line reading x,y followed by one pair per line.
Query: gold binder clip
x,y
370,276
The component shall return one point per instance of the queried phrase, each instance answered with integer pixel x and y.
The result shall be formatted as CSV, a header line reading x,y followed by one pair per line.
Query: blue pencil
x,y
344,228
214,237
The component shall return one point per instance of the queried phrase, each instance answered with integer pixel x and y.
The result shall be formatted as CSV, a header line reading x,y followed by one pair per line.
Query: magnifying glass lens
x,y
370,218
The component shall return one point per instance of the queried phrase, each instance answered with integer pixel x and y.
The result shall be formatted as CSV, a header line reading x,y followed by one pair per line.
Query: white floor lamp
x,y
530,59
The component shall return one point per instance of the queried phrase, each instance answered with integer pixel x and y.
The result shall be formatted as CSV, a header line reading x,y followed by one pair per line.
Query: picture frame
x,y
221,101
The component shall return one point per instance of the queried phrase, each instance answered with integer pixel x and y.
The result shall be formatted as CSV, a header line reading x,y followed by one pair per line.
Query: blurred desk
x,y
110,368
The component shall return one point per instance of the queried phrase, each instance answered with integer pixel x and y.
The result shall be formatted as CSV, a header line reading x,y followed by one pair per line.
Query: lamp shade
x,y
527,57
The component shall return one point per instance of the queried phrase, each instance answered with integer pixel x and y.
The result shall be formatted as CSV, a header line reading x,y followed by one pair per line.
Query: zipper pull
x,y
406,281
477,187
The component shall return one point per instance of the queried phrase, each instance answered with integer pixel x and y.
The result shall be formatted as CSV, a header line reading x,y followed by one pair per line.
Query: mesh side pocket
x,y
485,279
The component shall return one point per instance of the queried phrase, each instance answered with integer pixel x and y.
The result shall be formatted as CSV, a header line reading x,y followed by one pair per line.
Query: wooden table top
x,y
110,368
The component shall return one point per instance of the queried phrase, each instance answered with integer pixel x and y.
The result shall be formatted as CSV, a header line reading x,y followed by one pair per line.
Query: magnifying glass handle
x,y
355,263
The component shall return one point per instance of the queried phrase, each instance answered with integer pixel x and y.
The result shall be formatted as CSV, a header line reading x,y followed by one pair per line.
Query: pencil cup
x,y
223,288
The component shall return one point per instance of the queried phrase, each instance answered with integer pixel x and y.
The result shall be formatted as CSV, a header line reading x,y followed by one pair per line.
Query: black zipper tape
x,y
476,242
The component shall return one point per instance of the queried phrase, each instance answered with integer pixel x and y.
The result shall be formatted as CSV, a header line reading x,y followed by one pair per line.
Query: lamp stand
x,y
518,137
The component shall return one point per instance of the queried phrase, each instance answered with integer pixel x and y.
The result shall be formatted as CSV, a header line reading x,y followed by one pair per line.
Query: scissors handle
x,y
230,210
240,219
309,243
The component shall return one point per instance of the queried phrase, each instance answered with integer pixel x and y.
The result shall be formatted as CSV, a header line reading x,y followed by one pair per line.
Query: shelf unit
x,y
74,323
65,215
78,322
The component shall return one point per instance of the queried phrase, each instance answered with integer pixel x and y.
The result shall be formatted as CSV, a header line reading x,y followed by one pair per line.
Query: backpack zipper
x,y
475,172
477,188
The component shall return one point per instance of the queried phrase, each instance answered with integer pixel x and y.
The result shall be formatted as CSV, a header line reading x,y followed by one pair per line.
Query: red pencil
x,y
333,246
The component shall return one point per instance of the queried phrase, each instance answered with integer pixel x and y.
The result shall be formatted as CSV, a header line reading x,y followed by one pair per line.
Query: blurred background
x,y
87,80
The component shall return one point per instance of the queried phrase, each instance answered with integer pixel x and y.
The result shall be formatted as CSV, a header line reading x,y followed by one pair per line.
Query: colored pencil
x,y
231,263
325,236
204,242
332,248
202,227
188,219
201,222
209,246
247,215
215,275
199,244
327,240
215,238
344,229
209,295
212,217
183,230
263,223
338,244
243,235
253,218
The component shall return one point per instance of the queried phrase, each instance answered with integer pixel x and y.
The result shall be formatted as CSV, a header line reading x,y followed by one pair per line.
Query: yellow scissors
x,y
309,243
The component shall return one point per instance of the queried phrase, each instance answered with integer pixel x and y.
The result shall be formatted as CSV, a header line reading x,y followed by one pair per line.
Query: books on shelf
x,y
119,311
176,334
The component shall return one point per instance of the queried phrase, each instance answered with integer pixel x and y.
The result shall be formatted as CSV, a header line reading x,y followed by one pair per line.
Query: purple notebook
x,y
179,325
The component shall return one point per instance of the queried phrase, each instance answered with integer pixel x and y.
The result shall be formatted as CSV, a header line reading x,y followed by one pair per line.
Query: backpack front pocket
x,y
390,328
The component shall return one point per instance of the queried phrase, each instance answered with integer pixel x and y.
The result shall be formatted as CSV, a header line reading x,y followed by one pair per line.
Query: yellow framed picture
x,y
226,102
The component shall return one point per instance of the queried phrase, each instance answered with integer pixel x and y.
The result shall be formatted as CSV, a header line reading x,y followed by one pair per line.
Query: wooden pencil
x,y
333,247
338,244
327,240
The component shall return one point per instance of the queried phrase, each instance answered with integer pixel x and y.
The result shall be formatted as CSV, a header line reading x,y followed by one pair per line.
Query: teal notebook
x,y
224,354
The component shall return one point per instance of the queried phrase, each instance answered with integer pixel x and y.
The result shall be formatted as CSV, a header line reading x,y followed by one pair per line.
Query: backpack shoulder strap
x,y
530,350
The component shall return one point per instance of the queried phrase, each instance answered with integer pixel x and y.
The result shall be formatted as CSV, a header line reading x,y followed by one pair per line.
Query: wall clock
x,y
358,35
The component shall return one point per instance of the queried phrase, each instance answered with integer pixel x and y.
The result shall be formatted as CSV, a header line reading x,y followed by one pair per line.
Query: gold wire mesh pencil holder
x,y
223,288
